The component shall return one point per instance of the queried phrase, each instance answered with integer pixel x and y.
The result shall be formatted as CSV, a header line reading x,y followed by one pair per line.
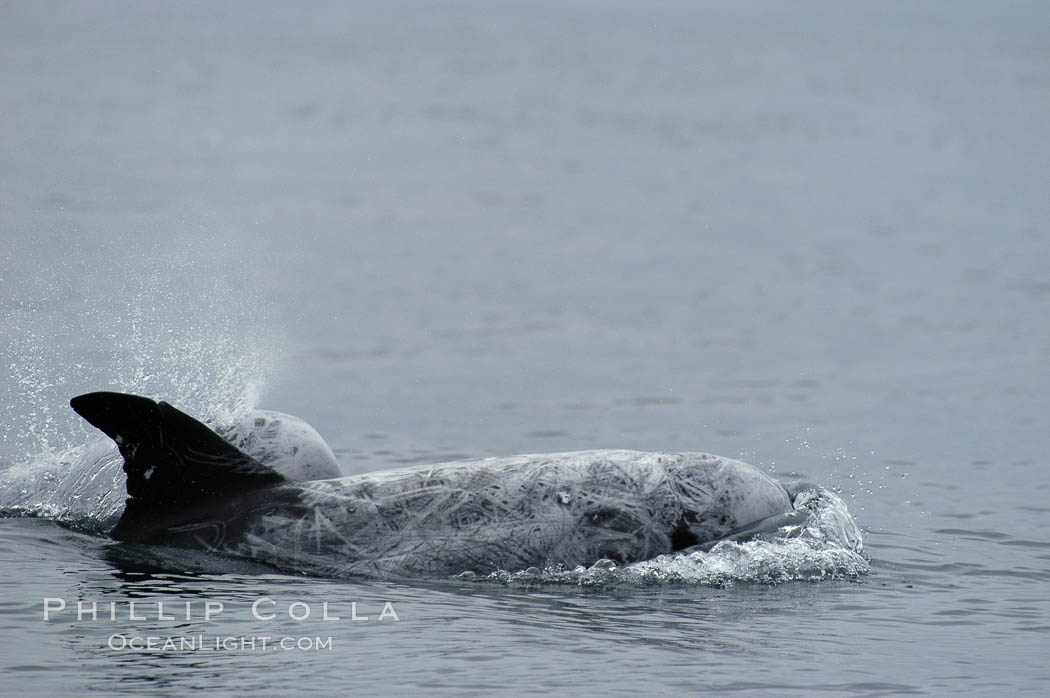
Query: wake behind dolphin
x,y
190,488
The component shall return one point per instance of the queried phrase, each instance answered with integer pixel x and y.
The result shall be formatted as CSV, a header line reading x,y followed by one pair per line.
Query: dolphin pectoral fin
x,y
173,462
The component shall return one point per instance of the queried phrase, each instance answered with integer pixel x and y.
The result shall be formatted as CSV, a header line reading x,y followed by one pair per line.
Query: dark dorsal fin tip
x,y
172,460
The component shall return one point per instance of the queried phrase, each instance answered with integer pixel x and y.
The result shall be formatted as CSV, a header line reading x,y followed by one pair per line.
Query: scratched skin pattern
x,y
501,513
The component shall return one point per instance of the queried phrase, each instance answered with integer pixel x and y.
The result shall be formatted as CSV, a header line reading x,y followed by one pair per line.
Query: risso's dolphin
x,y
190,488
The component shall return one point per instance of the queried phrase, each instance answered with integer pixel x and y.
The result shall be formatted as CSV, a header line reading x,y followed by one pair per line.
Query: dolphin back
x,y
188,487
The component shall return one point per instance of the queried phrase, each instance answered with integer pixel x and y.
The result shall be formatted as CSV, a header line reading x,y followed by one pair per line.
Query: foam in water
x,y
82,486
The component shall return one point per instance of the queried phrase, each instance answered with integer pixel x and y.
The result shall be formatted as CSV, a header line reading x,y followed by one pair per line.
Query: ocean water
x,y
813,237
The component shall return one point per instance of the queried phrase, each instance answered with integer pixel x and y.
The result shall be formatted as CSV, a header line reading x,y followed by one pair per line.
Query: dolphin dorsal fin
x,y
172,461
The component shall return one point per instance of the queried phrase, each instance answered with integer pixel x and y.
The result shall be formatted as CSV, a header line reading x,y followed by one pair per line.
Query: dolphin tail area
x,y
174,463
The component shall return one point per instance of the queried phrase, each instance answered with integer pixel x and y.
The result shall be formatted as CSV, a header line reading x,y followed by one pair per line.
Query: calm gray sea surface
x,y
814,236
